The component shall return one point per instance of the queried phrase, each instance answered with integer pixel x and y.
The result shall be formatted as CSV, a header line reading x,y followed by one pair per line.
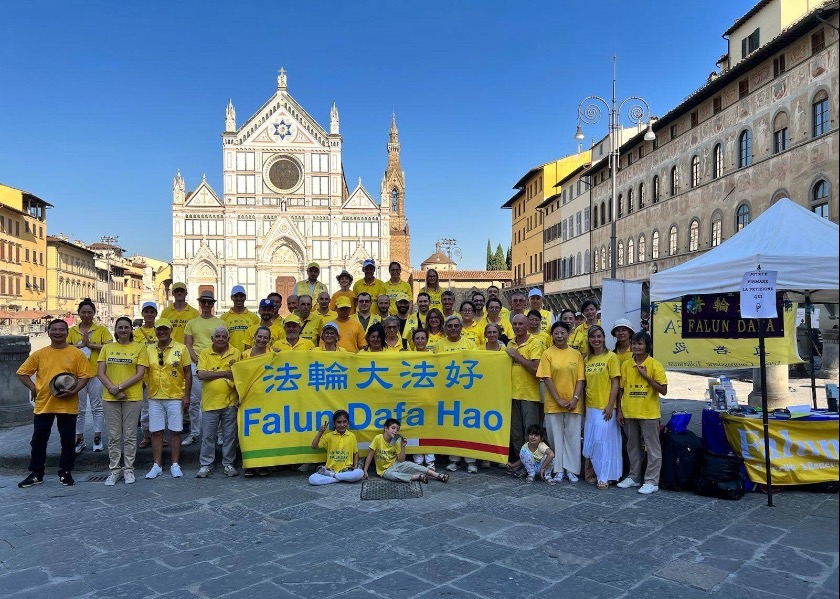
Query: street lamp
x,y
451,247
589,112
109,240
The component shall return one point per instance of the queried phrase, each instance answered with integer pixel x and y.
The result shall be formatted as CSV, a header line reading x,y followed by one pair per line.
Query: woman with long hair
x,y
434,326
433,288
375,338
393,340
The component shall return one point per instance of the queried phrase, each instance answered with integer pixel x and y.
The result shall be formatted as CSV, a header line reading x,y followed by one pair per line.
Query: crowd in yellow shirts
x,y
179,362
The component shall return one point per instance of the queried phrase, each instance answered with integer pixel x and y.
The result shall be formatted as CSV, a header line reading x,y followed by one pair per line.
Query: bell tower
x,y
393,197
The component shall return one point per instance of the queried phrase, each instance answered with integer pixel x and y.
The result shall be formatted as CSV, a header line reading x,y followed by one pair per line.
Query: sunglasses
x,y
160,358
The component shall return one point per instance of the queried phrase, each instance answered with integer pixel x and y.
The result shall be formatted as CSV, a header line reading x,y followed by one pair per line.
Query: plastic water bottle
x,y
708,395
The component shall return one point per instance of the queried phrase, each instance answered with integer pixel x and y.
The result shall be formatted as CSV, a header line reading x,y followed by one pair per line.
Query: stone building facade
x,y
284,203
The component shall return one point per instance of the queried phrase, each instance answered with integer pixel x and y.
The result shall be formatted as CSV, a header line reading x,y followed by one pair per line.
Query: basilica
x,y
285,203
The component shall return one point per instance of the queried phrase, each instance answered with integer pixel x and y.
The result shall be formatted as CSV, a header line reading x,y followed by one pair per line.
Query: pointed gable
x,y
203,197
281,122
360,199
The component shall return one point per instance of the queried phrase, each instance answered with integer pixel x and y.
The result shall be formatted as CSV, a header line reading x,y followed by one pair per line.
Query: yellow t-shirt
x,y
434,297
578,338
340,449
351,335
639,399
218,393
238,325
384,454
301,345
375,289
392,348
311,328
434,339
412,323
97,334
600,372
338,348
48,362
624,356
167,381
545,324
328,317
392,290
305,288
276,329
246,355
201,330
507,328
565,368
544,338
145,336
474,332
179,319
444,345
121,362
502,346
525,385
349,295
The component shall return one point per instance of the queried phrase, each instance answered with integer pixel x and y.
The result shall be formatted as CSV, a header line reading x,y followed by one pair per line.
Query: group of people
x,y
564,378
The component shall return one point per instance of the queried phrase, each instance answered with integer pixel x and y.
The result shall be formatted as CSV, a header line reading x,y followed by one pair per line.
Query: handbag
x,y
678,422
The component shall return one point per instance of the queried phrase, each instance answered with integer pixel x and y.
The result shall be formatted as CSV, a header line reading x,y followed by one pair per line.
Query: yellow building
x,y
23,248
527,221
71,275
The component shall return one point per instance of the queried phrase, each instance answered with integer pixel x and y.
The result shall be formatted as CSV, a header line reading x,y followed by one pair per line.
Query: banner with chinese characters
x,y
679,352
801,451
718,316
453,404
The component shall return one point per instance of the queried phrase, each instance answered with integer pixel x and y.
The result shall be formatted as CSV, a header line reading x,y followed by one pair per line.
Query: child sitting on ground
x,y
342,452
388,450
535,456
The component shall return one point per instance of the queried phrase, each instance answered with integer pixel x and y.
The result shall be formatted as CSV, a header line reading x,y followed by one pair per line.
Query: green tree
x,y
509,259
489,263
499,258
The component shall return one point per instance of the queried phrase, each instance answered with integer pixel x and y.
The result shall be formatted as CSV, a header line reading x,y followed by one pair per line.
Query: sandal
x,y
530,479
145,442
423,478
603,485
249,473
443,477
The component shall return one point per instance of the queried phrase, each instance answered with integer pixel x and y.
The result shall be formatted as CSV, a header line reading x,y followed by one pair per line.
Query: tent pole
x,y
810,348
764,415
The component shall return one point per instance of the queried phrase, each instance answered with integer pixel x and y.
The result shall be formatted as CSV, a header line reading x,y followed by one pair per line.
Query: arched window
x,y
672,241
586,261
781,137
675,180
641,248
563,268
742,217
579,266
820,114
595,213
654,245
630,200
745,149
620,205
695,171
610,210
717,231
694,236
621,253
603,215
595,263
717,161
819,198
631,251
641,195
655,189
609,256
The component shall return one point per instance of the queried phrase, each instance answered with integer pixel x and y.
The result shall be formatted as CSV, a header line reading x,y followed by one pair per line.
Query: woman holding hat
x,y
121,368
622,330
345,280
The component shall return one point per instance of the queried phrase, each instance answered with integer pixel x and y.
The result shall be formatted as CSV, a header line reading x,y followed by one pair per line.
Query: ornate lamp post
x,y
110,240
451,247
638,112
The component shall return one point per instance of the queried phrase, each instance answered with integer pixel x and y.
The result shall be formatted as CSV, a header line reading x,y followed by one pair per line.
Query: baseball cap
x,y
330,325
266,303
293,319
535,293
206,296
149,305
313,265
178,286
237,289
163,323
402,297
343,302
368,262
622,322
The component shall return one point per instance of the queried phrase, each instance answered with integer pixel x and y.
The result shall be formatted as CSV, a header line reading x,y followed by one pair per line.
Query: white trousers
x,y
564,437
91,394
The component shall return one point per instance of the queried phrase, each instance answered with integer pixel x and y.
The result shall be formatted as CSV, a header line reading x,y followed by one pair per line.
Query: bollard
x,y
15,408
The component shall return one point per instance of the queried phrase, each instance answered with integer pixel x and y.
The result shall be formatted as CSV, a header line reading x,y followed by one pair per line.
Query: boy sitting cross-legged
x,y
388,450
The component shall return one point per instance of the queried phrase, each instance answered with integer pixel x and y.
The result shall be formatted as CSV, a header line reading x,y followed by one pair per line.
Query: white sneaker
x,y
154,472
573,478
97,444
175,470
472,468
559,478
648,488
203,472
129,477
113,478
188,440
627,483
231,471
452,466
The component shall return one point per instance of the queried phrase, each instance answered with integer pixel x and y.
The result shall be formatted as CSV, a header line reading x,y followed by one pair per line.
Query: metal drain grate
x,y
378,488
96,478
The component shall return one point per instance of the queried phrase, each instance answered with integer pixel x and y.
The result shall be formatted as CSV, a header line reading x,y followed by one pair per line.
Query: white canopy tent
x,y
787,238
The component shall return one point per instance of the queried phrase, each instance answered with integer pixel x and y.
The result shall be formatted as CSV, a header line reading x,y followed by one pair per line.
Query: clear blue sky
x,y
101,102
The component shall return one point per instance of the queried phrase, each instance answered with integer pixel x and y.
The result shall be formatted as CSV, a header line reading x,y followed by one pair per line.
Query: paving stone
x,y
815,534
804,563
22,580
443,568
447,592
523,536
397,585
832,582
621,570
435,540
236,581
128,590
693,574
164,581
483,551
732,591
57,590
718,547
498,581
755,533
266,589
776,581
481,524
664,589
575,586
537,562
111,577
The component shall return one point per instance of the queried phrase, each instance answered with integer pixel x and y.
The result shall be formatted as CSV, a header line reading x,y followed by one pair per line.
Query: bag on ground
x,y
681,460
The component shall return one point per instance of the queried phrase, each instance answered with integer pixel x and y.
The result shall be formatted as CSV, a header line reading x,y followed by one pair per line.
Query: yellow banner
x,y
801,451
675,352
455,403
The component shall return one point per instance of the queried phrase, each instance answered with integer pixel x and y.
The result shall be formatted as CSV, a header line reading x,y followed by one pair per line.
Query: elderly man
x,y
54,401
350,329
526,351
310,322
266,311
170,385
293,340
198,337
239,318
292,303
219,402
310,286
517,305
369,283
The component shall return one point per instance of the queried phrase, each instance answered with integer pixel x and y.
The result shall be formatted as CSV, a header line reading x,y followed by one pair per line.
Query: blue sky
x,y
101,102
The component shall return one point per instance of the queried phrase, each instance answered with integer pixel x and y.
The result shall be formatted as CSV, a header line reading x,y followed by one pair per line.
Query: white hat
x,y
622,322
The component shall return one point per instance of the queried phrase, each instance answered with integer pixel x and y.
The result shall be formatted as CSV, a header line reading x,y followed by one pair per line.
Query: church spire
x,y
178,189
394,135
230,118
334,120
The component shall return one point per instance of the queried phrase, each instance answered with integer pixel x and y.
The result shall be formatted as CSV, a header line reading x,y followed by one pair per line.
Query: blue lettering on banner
x,y
333,376
469,417
285,376
373,376
424,373
454,376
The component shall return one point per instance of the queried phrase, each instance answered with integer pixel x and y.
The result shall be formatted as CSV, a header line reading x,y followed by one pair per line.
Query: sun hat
x,y
622,322
63,381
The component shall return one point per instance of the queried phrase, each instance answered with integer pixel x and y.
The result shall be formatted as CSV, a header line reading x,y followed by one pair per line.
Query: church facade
x,y
285,203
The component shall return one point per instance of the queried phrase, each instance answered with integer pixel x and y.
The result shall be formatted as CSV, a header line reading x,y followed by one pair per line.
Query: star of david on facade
x,y
282,129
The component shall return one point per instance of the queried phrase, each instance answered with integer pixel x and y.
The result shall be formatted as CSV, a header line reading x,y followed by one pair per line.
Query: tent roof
x,y
800,245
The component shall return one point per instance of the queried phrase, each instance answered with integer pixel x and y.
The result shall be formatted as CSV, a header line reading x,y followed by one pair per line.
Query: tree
x,y
509,259
499,258
489,257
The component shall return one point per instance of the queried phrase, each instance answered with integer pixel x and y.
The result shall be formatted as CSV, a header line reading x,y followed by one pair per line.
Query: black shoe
x,y
249,473
66,478
31,480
